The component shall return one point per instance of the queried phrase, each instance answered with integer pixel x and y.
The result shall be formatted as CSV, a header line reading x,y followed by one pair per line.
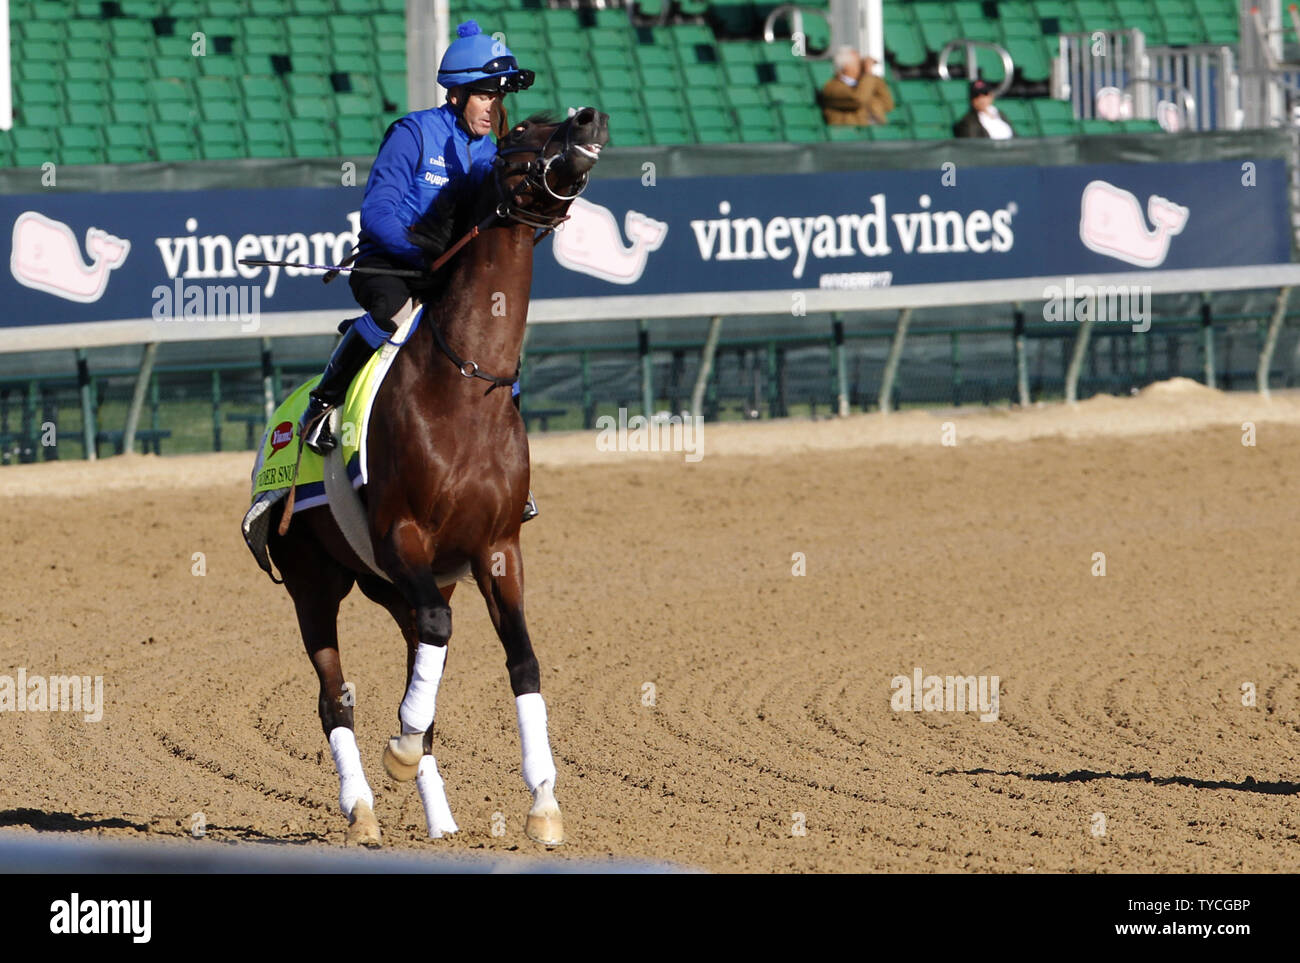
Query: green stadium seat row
x,y
313,77
916,31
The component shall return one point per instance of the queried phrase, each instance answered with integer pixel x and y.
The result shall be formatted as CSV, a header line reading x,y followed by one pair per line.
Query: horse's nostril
x,y
585,116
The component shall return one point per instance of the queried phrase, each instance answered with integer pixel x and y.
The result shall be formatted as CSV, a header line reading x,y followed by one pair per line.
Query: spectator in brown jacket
x,y
855,96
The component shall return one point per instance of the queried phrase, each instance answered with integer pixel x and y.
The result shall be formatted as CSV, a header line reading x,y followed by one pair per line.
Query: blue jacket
x,y
419,157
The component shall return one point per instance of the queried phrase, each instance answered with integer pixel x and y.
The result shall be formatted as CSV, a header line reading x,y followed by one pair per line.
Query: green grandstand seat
x,y
87,115
931,114
744,96
842,133
1059,128
736,52
175,112
309,85
1184,34
263,107
1096,14
85,92
223,111
310,139
906,44
265,138
93,30
126,29
1141,127
1030,59
660,77
916,92
32,92
126,135
38,116
39,50
39,30
889,132
1049,110
1220,28
321,111
1092,125
615,77
123,154
760,135
937,33
791,94
172,134
134,91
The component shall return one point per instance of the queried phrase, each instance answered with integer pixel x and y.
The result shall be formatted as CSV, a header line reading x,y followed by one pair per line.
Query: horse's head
x,y
542,164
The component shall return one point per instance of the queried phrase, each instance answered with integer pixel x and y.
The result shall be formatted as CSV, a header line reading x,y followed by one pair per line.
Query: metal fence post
x,y
137,396
1270,340
841,367
1207,339
1076,361
891,363
1022,361
87,409
647,375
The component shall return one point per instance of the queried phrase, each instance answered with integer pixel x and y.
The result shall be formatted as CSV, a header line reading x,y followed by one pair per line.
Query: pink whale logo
x,y
1111,223
592,244
46,257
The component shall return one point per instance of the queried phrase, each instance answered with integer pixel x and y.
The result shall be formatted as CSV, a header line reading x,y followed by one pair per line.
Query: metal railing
x,y
969,48
795,14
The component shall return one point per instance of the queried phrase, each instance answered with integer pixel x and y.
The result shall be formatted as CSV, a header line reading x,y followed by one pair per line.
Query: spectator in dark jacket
x,y
983,119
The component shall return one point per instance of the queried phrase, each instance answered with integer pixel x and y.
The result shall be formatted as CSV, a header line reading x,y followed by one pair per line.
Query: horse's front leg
x,y
426,622
500,577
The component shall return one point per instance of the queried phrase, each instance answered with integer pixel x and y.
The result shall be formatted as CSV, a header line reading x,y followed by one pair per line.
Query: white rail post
x,y
706,365
1270,341
137,396
891,363
1076,360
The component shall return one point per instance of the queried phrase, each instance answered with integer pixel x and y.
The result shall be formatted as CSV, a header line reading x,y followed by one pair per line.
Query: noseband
x,y
534,172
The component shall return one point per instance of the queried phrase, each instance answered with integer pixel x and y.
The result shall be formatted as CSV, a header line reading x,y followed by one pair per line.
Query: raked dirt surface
x,y
1123,740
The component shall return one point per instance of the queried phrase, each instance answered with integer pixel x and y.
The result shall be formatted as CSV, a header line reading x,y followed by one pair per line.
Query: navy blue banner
x,y
89,257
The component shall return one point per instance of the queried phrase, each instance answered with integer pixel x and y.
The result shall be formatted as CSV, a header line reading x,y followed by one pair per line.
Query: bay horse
x,y
448,478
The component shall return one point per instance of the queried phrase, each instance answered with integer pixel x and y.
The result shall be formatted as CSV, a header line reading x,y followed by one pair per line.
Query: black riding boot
x,y
350,355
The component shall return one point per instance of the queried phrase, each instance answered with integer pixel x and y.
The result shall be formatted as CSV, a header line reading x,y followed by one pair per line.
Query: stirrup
x,y
530,509
315,430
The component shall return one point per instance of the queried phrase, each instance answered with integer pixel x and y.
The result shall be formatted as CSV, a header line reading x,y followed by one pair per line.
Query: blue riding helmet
x,y
478,62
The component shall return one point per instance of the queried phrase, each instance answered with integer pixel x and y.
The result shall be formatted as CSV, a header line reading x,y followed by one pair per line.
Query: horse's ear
x,y
500,125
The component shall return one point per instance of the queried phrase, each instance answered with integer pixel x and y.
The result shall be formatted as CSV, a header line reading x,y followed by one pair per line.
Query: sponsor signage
x,y
78,257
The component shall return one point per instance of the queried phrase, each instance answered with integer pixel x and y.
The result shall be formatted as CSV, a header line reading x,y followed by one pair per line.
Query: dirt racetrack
x,y
1120,695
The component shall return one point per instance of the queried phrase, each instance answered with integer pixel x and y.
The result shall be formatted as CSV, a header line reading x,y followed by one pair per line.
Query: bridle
x,y
534,179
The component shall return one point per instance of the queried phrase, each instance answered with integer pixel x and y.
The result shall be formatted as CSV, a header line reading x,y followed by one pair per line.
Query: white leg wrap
x,y
352,779
422,694
538,764
436,811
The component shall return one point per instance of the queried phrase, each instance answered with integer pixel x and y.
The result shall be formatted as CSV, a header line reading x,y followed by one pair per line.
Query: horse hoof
x,y
396,767
546,828
363,827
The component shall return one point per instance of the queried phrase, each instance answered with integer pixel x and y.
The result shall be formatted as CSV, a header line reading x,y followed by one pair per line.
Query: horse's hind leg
x,y
410,755
500,578
317,585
